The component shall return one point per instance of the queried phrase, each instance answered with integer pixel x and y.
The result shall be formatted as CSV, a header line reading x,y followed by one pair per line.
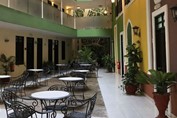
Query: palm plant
x,y
86,55
161,80
6,62
134,58
108,62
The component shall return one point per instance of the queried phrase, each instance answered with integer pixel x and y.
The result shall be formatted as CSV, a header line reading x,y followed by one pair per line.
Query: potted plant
x,y
134,59
108,62
86,55
7,62
162,81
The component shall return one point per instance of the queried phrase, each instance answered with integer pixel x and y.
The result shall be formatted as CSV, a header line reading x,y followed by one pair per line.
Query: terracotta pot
x,y
131,89
161,102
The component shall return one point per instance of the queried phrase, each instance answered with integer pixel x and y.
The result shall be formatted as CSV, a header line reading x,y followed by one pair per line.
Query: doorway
x,y
30,53
122,55
50,52
56,53
39,52
160,48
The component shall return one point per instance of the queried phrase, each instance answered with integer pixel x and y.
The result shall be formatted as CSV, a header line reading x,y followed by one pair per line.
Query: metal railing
x,y
46,11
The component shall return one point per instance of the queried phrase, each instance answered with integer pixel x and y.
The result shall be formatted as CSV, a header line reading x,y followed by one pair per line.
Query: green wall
x,y
94,33
119,24
16,17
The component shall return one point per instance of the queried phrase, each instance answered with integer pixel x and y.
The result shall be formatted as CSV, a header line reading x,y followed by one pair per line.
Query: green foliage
x,y
79,13
134,59
6,62
108,62
86,55
162,80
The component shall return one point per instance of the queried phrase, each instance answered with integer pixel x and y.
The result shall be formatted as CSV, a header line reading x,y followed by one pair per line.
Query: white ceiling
x,y
86,4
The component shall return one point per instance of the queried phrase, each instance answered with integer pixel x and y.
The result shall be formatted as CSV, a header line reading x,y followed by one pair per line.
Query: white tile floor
x,y
118,104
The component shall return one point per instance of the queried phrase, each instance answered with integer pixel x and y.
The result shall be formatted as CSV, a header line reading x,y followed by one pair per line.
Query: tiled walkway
x,y
118,104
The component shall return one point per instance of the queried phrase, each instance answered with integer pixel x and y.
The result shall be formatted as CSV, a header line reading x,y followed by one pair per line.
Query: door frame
x,y
164,10
122,70
116,51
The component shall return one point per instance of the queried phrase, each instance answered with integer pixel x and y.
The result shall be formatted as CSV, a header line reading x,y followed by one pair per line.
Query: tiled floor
x,y
118,104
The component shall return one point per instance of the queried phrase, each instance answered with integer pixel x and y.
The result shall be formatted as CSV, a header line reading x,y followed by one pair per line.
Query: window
x,y
19,50
160,21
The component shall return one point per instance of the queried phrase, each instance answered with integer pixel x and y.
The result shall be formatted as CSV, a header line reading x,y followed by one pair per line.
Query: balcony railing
x,y
94,22
46,11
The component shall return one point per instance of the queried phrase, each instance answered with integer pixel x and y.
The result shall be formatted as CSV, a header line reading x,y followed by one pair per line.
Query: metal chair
x,y
79,85
53,104
18,85
18,107
71,111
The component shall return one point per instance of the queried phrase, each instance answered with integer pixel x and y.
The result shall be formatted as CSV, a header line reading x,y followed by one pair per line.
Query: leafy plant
x,y
108,62
134,59
86,54
6,62
161,80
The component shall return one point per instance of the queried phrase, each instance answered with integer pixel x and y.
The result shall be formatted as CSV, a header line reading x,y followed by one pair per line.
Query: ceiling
x,y
84,4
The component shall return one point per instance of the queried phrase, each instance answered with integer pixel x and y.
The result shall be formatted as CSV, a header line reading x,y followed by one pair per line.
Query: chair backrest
x,y
22,110
78,74
8,97
58,103
90,106
56,87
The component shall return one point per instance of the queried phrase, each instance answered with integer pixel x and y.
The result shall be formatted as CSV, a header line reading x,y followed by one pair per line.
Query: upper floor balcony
x,y
55,13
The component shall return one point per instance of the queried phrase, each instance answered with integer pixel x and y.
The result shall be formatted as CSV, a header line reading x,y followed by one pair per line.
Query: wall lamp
x,y
136,31
112,1
174,12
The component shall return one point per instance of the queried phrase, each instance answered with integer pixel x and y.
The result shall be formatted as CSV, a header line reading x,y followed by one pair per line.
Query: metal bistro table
x,y
35,78
62,68
85,65
46,96
70,83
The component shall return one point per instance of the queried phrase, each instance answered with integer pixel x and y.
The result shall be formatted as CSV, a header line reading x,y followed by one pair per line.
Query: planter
x,y
157,1
161,102
131,89
157,4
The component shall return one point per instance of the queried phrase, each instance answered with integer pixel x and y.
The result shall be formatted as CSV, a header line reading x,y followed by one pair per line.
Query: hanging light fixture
x,y
174,12
106,9
136,31
113,1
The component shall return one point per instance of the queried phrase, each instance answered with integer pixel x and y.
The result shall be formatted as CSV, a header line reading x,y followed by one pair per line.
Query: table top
x,y
5,76
85,64
70,78
50,95
36,70
61,64
82,71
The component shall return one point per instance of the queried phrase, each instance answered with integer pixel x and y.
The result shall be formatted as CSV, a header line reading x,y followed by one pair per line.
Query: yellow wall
x,y
135,13
8,48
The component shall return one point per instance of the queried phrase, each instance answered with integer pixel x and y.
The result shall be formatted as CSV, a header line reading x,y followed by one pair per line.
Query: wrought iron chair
x,y
73,111
18,107
18,85
22,110
53,104
79,85
44,75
